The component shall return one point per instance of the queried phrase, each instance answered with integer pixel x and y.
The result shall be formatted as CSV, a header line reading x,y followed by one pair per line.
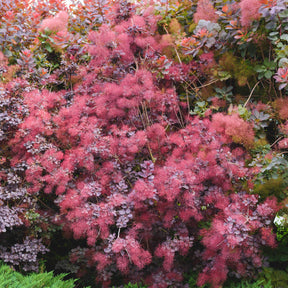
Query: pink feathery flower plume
x,y
205,11
249,11
56,23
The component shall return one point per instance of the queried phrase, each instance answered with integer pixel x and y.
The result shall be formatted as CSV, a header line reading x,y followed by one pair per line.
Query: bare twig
x,y
276,141
178,56
251,93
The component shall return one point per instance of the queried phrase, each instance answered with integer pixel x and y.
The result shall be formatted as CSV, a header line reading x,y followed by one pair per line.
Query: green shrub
x,y
130,285
12,279
247,284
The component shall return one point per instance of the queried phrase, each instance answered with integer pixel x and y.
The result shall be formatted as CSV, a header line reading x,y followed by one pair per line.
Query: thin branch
x,y
276,141
251,93
178,56
203,85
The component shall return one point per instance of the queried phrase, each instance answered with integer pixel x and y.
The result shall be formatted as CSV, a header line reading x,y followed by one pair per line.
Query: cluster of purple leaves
x,y
24,255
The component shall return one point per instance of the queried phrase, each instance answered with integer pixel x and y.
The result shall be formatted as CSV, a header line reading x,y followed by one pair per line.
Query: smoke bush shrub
x,y
23,222
91,116
19,245
135,175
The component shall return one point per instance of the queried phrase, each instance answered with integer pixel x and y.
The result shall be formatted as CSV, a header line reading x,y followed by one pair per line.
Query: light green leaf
x,y
284,37
268,74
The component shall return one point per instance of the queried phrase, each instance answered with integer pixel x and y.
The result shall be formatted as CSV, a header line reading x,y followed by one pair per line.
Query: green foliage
x,y
282,235
247,284
12,279
180,10
224,93
200,108
259,283
278,256
237,67
191,280
272,167
271,187
130,285
266,70
243,112
276,278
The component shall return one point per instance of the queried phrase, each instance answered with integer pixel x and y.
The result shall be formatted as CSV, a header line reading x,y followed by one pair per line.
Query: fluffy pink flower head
x,y
205,11
283,144
235,127
3,60
281,105
284,128
249,11
55,24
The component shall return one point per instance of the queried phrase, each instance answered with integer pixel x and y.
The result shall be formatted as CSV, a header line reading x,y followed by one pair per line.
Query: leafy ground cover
x,y
145,142
12,279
